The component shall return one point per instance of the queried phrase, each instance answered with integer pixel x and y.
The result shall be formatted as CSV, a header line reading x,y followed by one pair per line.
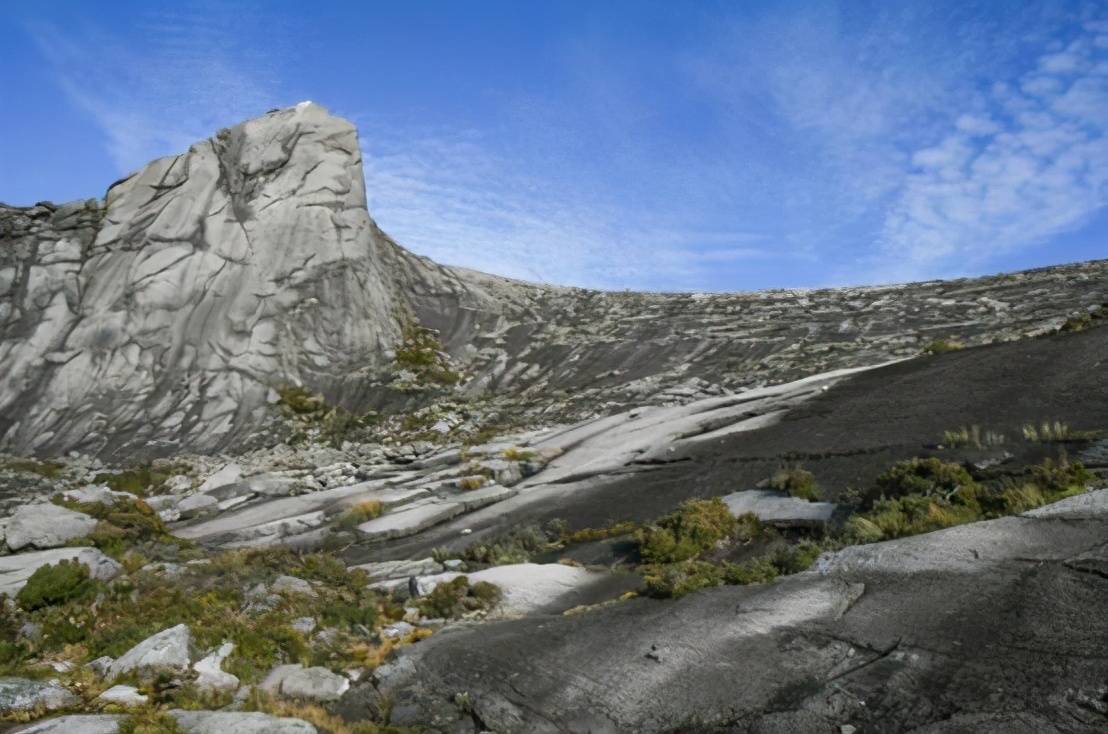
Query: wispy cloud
x,y
1033,165
451,196
179,79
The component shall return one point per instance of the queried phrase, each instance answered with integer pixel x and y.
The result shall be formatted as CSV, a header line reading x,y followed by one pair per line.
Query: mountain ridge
x,y
162,318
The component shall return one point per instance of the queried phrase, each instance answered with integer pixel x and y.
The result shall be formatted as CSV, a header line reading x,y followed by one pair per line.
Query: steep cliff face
x,y
161,318
165,315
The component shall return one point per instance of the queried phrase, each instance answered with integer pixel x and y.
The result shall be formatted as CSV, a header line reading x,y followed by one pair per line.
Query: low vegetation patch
x,y
312,417
696,526
457,597
797,482
142,480
54,584
517,546
359,513
942,346
420,352
46,469
973,436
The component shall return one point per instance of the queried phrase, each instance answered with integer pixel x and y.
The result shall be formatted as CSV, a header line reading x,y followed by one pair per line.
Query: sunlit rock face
x,y
204,279
159,319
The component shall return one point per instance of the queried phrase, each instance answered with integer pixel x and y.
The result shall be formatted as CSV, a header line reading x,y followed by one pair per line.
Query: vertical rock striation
x,y
163,317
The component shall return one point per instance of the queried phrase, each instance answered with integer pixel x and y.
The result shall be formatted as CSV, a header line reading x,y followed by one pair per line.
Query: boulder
x,y
166,651
314,684
22,694
292,585
46,525
778,508
123,696
238,722
74,724
16,569
210,673
195,505
98,494
228,474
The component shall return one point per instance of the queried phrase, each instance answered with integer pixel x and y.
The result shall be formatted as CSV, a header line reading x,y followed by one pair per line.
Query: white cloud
x,y
158,95
984,191
449,196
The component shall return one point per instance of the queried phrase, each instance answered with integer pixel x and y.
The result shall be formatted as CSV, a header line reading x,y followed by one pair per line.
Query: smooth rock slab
x,y
410,520
46,525
75,724
167,650
123,696
383,570
526,588
776,508
15,570
23,694
475,499
238,722
296,681
210,673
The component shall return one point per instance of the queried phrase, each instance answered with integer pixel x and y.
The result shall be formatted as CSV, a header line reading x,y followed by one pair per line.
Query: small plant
x,y
515,547
468,484
696,526
797,482
924,476
359,513
421,353
55,584
517,454
149,721
452,599
1046,431
588,535
942,346
973,436
47,469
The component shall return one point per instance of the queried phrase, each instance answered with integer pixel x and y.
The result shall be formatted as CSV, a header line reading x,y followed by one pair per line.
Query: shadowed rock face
x,y
159,319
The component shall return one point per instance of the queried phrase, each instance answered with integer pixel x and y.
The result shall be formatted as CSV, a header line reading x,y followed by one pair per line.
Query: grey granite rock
x,y
123,696
210,673
168,650
22,695
777,508
74,724
199,283
16,569
296,681
46,525
237,722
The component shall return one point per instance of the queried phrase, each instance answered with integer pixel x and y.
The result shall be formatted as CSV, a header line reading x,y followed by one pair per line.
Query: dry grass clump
x,y
797,482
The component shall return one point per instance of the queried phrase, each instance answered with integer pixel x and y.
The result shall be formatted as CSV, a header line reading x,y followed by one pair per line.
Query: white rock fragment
x,y
123,696
210,673
166,651
46,525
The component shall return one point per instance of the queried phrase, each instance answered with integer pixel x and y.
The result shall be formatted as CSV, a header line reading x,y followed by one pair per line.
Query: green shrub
x,y
359,513
517,546
588,535
942,346
693,528
1060,476
673,580
56,584
923,476
451,599
797,482
421,352
792,559
47,469
150,721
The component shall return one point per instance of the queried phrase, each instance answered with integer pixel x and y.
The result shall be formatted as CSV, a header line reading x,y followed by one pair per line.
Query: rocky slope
x,y
853,510
160,318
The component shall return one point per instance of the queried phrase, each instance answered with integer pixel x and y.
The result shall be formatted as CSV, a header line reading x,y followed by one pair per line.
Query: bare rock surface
x,y
238,722
21,695
168,650
872,638
74,724
46,525
777,508
162,318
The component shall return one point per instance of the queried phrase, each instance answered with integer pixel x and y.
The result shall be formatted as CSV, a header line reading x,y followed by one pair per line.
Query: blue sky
x,y
673,145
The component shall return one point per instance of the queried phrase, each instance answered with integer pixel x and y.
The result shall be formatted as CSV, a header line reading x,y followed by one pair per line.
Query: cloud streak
x,y
1033,167
184,80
